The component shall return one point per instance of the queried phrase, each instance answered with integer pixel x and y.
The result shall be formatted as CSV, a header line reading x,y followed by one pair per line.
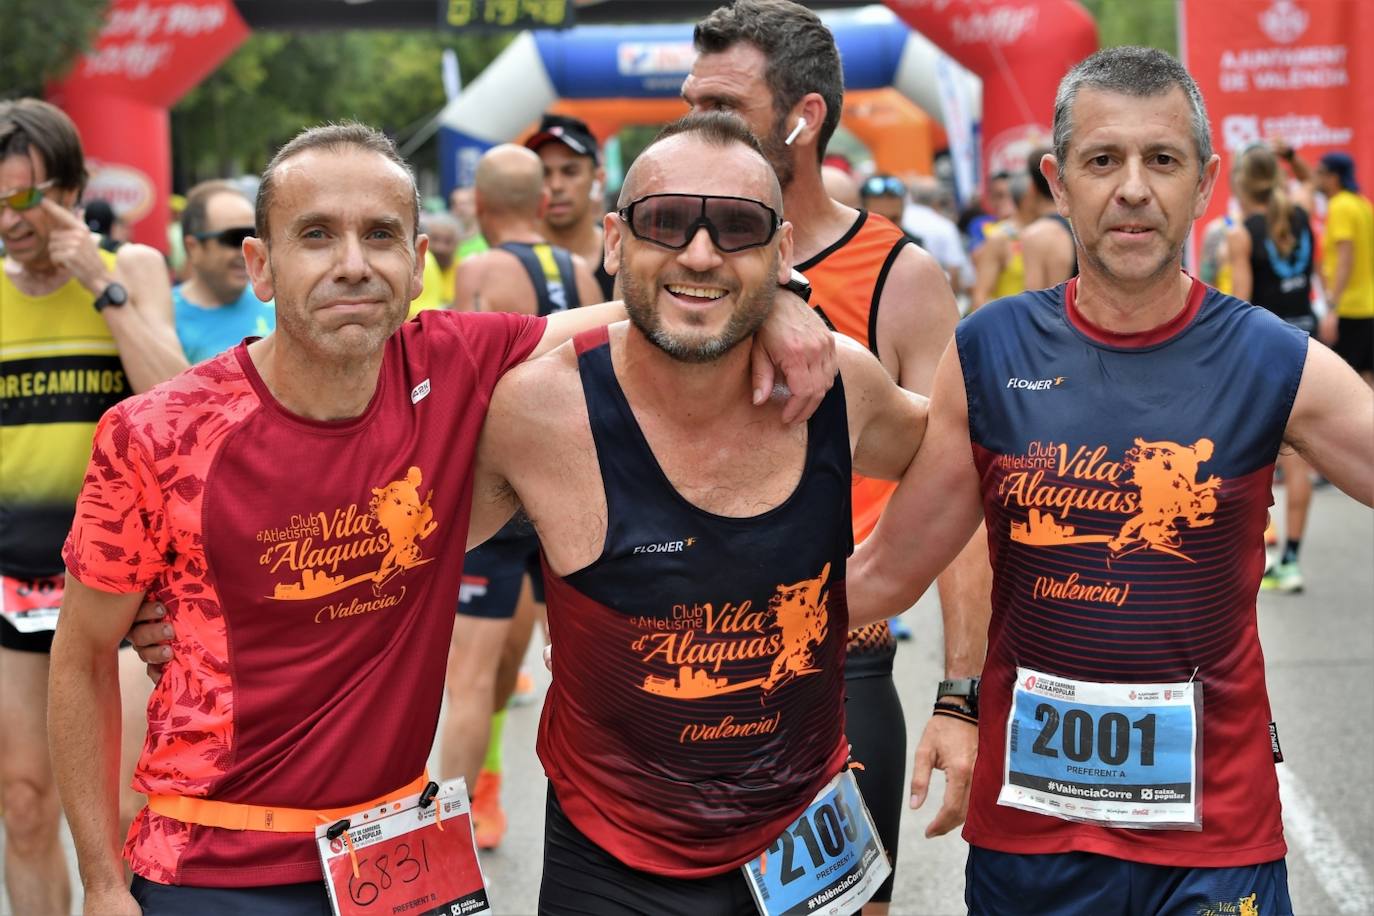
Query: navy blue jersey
x,y
1126,481
698,700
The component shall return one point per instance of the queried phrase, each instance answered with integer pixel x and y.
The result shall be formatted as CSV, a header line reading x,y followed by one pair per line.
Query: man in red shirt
x,y
287,503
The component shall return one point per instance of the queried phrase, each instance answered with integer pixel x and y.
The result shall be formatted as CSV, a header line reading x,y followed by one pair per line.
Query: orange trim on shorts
x,y
236,816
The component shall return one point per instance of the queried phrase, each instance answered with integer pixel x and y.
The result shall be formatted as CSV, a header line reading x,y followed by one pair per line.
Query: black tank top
x,y
550,270
1282,284
699,701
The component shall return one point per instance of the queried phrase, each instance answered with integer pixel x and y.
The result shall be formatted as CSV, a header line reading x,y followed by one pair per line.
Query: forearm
x,y
149,350
564,326
83,725
1341,279
966,606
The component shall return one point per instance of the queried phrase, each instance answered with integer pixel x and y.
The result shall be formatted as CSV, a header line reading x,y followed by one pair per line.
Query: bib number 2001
x,y
1120,755
1109,739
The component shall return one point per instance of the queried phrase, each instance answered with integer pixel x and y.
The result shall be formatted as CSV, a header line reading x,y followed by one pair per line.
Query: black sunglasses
x,y
229,238
672,220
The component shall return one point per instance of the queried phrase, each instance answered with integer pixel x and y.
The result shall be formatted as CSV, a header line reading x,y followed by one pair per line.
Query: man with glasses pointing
x,y
215,307
80,329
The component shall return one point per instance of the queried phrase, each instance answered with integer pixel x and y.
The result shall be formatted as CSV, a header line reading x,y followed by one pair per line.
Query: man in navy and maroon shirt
x,y
300,505
694,555
1119,434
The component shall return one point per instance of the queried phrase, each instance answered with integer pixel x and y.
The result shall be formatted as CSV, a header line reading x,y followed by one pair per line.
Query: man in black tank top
x,y
520,273
1047,248
694,552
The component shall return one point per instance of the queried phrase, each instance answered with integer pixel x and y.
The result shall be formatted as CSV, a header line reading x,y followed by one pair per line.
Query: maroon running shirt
x,y
310,569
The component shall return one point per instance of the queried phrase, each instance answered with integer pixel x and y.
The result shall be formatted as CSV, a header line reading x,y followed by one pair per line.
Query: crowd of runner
x,y
710,445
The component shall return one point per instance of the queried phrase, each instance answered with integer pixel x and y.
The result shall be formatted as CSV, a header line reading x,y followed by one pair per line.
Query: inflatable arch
x,y
611,76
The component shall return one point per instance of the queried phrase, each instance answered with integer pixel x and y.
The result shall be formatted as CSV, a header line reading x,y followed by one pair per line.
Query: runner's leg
x,y
35,866
876,729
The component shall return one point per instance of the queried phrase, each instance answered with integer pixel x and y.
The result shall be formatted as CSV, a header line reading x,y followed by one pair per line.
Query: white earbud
x,y
801,124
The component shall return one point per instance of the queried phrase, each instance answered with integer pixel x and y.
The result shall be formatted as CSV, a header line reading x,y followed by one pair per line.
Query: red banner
x,y
148,55
1021,49
1290,69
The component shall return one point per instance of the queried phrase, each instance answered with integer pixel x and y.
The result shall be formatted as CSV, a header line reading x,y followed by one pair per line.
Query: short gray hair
x,y
1139,72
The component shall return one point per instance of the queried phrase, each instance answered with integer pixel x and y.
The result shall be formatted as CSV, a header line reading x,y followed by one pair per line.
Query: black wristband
x,y
962,713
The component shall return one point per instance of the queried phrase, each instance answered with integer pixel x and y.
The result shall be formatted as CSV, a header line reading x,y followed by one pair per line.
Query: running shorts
x,y
1086,884
1355,342
492,574
308,899
582,879
876,729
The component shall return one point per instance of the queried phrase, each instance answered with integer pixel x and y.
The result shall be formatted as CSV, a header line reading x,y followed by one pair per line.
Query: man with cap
x,y
575,181
1348,264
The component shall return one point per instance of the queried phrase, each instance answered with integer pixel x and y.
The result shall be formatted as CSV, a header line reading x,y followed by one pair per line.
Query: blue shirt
x,y
208,332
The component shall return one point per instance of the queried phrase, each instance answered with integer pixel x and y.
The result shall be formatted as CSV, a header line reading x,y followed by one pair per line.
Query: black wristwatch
x,y
114,296
965,688
798,284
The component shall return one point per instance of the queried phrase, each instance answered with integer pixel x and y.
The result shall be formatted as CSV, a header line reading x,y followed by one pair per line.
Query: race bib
x,y
405,862
31,605
1119,755
829,860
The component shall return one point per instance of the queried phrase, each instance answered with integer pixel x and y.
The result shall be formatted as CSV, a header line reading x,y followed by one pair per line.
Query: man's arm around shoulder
x,y
84,730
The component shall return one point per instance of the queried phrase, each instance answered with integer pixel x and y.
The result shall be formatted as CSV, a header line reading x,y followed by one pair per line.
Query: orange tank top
x,y
847,282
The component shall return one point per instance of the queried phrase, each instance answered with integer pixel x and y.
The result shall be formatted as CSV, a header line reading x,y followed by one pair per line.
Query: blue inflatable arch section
x,y
651,61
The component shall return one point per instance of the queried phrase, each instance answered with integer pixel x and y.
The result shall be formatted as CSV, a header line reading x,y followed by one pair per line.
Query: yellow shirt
x,y
59,372
438,291
1350,217
1012,279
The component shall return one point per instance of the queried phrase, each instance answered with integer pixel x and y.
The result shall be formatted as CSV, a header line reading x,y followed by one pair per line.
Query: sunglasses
x,y
229,238
26,198
672,220
884,186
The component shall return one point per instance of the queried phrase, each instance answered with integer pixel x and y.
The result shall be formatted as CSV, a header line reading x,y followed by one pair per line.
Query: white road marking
x,y
1343,877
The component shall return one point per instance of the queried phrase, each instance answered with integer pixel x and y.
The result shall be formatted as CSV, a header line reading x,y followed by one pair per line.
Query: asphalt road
x,y
1319,658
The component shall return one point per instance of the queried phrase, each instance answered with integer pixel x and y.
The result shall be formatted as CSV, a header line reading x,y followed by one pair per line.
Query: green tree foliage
x,y
277,83
1152,23
40,39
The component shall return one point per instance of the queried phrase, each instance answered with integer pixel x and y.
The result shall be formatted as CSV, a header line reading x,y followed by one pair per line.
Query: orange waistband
x,y
236,816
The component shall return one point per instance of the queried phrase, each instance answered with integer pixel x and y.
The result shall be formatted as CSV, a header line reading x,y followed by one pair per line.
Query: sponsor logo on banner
x,y
644,58
1240,130
1284,22
1008,150
137,41
999,25
129,191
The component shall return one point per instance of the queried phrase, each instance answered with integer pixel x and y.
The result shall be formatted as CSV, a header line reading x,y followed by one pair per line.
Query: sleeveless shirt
x,y
699,702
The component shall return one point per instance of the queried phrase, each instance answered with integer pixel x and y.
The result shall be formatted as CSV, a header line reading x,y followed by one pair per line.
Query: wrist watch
x,y
114,296
965,688
798,285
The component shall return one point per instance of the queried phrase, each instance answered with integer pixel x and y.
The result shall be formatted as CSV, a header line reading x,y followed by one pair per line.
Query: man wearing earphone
x,y
575,180
773,63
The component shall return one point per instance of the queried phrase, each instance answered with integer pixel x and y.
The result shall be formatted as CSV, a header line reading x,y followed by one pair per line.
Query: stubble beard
x,y
750,312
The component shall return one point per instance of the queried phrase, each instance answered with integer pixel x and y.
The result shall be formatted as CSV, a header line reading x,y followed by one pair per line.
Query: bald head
x,y
732,153
510,181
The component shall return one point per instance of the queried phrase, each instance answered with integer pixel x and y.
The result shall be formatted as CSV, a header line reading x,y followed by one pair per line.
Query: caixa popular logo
x,y
129,190
1284,21
1030,682
1239,131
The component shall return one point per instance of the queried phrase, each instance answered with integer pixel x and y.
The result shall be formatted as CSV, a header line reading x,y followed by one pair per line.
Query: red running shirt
x,y
310,570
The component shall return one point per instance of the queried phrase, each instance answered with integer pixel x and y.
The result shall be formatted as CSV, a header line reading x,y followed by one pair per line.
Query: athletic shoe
x,y
1286,577
488,820
525,691
899,627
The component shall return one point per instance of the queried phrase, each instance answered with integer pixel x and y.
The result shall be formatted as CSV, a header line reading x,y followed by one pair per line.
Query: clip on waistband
x,y
236,816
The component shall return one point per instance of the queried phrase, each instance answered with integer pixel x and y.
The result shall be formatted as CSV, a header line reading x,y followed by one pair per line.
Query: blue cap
x,y
1343,167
